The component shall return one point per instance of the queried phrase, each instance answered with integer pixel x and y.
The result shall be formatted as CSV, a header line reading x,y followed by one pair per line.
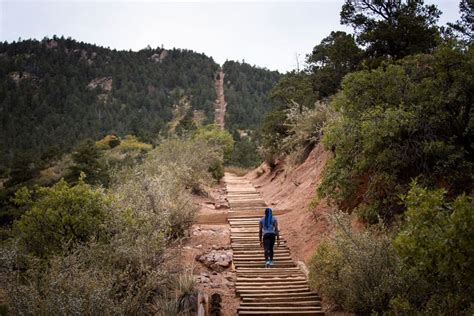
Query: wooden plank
x,y
261,261
280,313
277,308
262,257
279,290
271,283
276,295
263,270
287,303
271,287
270,291
280,299
270,280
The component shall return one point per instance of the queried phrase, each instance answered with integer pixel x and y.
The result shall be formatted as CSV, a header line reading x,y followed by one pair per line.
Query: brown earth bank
x,y
287,188
293,188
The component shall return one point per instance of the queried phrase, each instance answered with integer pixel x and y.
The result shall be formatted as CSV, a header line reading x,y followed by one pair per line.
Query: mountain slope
x,y
57,92
246,91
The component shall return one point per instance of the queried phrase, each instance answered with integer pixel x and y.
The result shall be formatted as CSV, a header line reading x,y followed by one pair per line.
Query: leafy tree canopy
x,y
436,243
87,160
465,26
392,29
216,137
405,120
331,60
60,216
294,87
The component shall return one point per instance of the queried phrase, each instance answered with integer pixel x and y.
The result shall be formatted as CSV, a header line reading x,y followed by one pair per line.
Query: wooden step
x,y
279,313
271,280
261,256
242,288
281,299
287,303
279,290
245,307
276,295
271,283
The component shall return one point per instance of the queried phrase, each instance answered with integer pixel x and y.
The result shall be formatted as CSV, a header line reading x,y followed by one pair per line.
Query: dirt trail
x,y
220,103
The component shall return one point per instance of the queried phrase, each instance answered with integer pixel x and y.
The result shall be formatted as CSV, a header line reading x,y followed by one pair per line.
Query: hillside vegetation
x,y
81,249
95,195
247,91
392,103
58,96
66,91
102,151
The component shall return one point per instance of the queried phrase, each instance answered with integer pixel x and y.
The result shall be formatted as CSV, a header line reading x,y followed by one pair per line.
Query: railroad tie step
x,y
281,289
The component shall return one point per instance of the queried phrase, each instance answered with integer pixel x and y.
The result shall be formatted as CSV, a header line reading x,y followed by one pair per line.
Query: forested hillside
x,y
102,153
56,92
246,91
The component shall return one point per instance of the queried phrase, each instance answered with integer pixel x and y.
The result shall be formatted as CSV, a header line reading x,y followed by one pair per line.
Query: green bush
x,y
273,132
131,143
216,138
403,120
305,127
79,257
66,286
108,142
154,203
128,153
88,160
186,292
193,161
425,270
245,154
60,216
357,271
436,244
295,130
120,274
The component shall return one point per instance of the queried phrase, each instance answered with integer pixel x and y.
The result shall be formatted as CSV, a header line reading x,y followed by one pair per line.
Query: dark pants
x,y
268,243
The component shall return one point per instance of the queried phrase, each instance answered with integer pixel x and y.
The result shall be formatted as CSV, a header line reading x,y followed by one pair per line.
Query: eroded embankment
x,y
293,188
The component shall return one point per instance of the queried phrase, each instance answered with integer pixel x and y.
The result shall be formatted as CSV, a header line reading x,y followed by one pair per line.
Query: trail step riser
x,y
281,289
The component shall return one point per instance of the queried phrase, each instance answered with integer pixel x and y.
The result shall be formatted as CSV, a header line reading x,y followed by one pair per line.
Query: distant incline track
x,y
220,104
280,290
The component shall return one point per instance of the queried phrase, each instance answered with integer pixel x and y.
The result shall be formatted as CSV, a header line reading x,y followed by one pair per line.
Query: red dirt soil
x,y
211,231
283,188
293,188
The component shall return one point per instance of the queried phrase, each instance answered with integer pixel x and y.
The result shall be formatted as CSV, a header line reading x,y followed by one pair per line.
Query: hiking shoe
x,y
267,264
270,263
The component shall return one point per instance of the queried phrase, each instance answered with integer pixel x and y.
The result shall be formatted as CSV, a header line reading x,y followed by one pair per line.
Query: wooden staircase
x,y
279,290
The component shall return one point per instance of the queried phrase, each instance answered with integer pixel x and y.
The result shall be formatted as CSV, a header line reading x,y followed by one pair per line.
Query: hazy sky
x,y
264,33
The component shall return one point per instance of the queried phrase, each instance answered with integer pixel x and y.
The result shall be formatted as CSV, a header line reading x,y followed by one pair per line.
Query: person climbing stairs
x,y
281,289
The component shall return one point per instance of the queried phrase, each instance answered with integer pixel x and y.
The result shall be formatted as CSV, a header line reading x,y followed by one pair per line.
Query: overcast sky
x,y
267,34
